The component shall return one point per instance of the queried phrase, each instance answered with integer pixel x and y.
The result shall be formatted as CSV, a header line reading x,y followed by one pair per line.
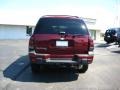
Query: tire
x,y
82,68
35,68
108,42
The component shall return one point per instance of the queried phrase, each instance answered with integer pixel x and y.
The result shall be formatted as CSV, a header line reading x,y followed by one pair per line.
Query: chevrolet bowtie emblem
x,y
62,38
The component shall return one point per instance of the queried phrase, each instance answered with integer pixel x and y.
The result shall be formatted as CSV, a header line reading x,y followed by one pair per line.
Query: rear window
x,y
113,31
118,30
56,25
110,32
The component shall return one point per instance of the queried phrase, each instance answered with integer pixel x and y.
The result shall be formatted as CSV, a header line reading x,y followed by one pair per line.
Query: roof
x,y
60,16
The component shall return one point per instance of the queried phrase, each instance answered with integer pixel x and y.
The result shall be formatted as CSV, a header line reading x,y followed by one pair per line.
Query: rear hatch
x,y
54,44
61,36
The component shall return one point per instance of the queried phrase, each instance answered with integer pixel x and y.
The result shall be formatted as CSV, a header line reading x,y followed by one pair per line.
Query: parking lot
x,y
15,73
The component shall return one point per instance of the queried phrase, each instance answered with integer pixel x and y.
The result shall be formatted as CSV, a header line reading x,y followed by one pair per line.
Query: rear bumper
x,y
61,59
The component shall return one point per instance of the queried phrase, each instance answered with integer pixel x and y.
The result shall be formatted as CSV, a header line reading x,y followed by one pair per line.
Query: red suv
x,y
61,40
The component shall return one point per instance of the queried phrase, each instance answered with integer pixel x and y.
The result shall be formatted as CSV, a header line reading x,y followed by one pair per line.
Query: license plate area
x,y
62,43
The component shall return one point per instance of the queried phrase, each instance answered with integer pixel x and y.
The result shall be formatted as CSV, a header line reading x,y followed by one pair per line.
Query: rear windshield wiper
x,y
76,35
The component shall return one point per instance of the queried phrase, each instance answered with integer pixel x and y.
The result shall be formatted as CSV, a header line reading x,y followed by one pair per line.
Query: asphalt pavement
x,y
15,72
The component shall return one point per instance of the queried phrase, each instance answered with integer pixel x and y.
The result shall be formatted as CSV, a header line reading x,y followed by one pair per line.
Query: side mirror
x,y
28,30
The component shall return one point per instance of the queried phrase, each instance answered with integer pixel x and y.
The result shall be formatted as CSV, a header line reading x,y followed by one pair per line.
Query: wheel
x,y
108,42
82,68
116,43
35,68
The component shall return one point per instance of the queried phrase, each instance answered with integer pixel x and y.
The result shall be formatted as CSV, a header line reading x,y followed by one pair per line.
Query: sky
x,y
106,12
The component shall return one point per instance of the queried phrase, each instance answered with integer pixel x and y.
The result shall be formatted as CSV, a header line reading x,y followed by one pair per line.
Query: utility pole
x,y
117,17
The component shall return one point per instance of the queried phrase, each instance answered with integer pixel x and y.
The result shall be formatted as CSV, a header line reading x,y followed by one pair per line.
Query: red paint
x,y
46,44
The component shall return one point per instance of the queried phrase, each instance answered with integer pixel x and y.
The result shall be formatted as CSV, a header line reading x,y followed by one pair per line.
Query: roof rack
x,y
60,16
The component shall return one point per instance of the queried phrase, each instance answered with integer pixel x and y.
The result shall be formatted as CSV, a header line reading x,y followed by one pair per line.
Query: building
x,y
94,30
20,31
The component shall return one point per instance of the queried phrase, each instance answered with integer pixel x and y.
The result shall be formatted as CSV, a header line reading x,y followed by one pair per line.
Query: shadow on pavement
x,y
118,52
50,75
16,68
20,71
103,45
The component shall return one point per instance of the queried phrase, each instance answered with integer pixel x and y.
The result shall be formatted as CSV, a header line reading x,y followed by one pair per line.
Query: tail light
x,y
31,44
91,47
31,50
